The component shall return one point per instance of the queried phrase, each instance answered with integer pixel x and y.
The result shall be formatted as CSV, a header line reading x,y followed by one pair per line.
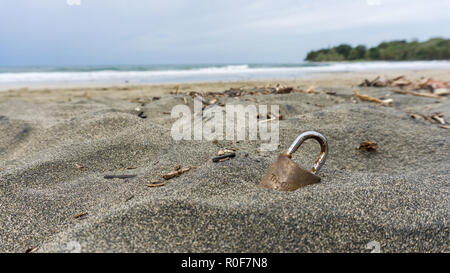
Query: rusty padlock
x,y
286,175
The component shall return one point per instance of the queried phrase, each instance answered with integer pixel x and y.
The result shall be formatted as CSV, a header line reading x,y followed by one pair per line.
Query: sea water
x,y
195,73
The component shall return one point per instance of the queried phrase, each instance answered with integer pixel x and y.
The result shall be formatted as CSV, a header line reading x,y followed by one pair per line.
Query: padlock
x,y
286,175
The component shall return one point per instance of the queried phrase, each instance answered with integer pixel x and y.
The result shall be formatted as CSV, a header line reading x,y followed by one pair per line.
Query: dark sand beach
x,y
58,144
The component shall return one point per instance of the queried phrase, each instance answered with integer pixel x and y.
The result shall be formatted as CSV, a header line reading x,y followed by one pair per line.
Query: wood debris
x,y
270,117
310,90
439,117
125,176
407,92
225,151
362,97
79,215
375,82
157,184
176,173
284,90
400,82
367,146
441,91
431,85
238,92
31,249
267,120
435,118
142,115
445,127
78,166
436,88
223,157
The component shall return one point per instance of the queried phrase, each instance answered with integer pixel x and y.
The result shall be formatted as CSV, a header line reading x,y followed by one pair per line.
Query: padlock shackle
x,y
323,148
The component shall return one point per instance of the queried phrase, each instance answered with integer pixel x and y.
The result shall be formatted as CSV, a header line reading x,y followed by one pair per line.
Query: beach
x,y
62,144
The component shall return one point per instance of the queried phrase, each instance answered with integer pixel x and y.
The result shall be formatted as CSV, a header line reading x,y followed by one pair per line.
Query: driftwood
x,y
125,176
176,173
79,215
407,92
154,185
375,82
436,88
367,146
223,157
433,118
371,99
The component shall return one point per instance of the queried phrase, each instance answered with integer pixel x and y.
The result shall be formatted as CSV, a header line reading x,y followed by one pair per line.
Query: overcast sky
x,y
52,32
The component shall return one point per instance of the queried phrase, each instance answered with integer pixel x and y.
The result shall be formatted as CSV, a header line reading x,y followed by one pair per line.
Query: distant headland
x,y
400,50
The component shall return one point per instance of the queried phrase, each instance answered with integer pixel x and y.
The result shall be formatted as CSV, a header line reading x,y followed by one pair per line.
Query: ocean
x,y
194,73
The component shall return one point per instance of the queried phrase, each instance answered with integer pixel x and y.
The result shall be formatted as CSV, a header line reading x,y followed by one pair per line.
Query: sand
x,y
56,146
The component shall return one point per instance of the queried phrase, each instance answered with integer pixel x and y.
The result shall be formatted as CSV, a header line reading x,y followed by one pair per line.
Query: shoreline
x,y
323,79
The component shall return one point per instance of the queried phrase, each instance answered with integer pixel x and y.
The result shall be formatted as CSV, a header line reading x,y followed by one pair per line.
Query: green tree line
x,y
433,49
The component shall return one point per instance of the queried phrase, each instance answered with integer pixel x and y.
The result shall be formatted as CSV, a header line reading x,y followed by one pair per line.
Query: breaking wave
x,y
185,73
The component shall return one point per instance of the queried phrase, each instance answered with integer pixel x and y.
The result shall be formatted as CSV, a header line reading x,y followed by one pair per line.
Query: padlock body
x,y
286,175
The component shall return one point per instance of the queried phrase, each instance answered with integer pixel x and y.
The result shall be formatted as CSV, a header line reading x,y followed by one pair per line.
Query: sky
x,y
107,32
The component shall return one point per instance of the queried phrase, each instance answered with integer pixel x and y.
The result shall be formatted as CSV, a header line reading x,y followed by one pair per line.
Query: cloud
x,y
350,14
136,31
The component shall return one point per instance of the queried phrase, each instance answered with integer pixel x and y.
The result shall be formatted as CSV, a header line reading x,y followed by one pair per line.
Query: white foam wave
x,y
231,72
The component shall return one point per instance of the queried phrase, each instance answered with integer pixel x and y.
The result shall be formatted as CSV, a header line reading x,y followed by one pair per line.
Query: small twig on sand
x,y
433,118
223,157
267,120
371,99
406,92
175,173
153,185
119,176
31,249
367,146
79,215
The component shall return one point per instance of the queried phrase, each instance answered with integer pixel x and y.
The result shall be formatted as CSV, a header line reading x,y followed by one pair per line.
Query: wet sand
x,y
57,145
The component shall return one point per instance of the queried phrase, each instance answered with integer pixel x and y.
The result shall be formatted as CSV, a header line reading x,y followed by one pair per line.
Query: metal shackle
x,y
323,148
